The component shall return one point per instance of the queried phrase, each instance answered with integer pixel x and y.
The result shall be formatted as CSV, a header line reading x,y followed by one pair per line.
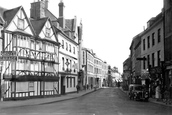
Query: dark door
x,y
62,85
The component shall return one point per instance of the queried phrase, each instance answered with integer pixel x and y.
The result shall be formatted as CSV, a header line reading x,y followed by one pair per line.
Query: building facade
x,y
135,52
98,71
67,34
104,73
152,50
39,55
88,67
95,70
167,45
33,70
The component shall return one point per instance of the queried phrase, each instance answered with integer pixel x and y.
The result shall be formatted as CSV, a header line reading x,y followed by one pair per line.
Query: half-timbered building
x,y
66,32
35,70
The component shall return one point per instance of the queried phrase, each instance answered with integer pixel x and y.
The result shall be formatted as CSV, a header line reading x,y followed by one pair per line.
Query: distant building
x,y
135,52
104,73
98,71
95,70
127,77
88,67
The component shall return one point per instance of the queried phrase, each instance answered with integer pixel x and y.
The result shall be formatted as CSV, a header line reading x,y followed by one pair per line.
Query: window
x,y
148,61
70,82
63,44
20,24
153,59
159,35
153,39
69,48
143,44
74,66
74,82
144,64
66,46
31,86
47,32
159,58
73,50
71,64
63,63
67,63
148,41
67,81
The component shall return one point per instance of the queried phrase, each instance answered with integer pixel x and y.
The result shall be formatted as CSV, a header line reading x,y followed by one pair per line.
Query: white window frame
x,y
20,24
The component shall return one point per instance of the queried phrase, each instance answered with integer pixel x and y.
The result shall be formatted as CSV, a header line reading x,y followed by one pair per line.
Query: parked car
x,y
138,92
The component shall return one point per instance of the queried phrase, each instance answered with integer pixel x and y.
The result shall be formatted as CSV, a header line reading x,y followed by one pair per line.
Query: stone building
x,y
152,50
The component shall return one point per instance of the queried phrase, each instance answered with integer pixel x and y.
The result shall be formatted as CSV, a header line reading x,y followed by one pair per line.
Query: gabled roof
x,y
8,15
2,11
38,24
50,15
69,23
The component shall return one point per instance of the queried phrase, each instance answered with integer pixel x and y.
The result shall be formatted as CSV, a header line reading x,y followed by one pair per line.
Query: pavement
x,y
48,100
153,100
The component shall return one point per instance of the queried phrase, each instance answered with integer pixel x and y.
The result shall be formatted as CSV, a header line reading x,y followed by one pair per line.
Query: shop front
x,y
156,80
168,80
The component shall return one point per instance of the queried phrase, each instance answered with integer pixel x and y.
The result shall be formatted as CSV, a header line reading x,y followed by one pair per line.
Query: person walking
x,y
157,92
77,88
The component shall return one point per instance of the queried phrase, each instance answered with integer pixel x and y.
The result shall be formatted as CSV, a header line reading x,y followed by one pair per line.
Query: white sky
x,y
108,25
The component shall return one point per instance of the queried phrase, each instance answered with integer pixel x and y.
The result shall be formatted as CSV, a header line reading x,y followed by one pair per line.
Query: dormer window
x,y
20,24
47,32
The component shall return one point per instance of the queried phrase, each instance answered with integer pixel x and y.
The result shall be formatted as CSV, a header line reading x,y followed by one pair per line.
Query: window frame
x,y
153,39
159,35
19,22
143,44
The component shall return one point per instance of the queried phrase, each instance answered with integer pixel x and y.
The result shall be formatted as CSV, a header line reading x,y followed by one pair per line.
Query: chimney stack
x,y
61,8
38,8
61,14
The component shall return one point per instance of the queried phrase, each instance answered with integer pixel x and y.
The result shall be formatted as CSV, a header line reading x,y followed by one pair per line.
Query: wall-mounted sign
x,y
8,56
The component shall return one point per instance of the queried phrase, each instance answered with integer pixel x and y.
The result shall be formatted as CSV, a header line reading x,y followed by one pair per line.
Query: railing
x,y
22,94
47,92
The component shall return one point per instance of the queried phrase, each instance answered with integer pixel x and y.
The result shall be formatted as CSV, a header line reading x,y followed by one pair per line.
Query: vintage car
x,y
138,92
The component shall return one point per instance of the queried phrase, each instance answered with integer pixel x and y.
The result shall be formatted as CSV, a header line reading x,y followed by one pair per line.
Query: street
x,y
107,101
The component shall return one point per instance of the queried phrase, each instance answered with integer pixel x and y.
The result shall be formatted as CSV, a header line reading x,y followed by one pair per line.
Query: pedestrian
x,y
157,92
77,88
166,96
